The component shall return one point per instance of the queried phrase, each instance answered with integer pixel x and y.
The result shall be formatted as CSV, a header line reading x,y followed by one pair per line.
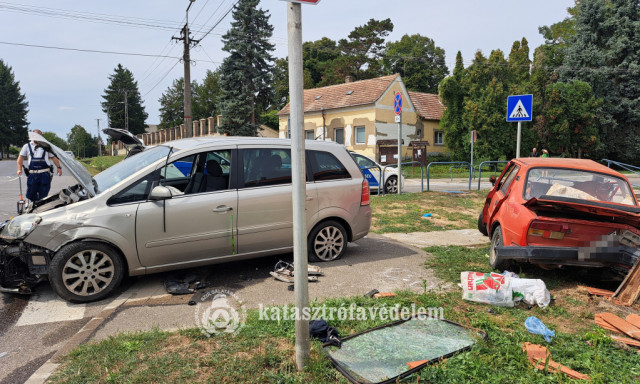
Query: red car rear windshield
x,y
577,184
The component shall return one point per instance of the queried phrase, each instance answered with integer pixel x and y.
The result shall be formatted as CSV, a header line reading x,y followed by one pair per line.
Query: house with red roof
x,y
361,115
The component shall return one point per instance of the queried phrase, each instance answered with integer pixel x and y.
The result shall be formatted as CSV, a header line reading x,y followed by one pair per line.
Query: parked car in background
x,y
182,204
561,212
372,171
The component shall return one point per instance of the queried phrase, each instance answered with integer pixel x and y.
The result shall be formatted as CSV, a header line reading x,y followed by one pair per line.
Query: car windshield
x,y
577,184
120,171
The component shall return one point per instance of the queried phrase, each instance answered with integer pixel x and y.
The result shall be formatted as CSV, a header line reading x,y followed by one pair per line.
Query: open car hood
x,y
72,165
126,137
554,205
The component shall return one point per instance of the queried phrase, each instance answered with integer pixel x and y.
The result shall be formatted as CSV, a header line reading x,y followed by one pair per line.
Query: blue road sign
x,y
397,103
519,108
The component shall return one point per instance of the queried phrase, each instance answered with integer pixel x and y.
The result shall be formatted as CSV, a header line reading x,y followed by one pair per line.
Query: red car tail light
x,y
364,198
548,230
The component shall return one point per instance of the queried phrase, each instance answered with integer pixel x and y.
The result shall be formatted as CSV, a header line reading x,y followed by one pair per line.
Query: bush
x,y
15,151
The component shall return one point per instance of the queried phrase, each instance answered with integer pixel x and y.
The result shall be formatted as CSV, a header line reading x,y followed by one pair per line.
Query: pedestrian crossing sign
x,y
519,108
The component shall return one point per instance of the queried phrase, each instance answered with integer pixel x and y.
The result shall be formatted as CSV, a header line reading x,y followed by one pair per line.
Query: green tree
x,y
362,52
453,94
245,74
570,113
13,110
319,62
418,60
172,104
81,142
55,140
605,53
206,96
123,85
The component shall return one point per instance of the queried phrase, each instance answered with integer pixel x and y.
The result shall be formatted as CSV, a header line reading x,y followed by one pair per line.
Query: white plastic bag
x,y
533,291
488,288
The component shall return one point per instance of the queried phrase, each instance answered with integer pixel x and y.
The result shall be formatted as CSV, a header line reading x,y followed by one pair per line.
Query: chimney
x,y
348,79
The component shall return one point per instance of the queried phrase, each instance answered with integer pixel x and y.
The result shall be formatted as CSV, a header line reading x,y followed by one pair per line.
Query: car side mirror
x,y
160,193
492,180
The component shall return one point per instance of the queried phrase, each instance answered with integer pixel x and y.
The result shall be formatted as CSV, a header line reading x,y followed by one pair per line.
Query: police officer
x,y
39,169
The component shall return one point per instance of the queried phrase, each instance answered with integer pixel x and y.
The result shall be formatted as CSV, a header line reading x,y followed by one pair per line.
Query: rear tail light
x,y
364,198
548,230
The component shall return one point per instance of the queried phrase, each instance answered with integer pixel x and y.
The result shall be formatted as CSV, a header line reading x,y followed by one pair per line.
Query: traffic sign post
x,y
397,107
519,108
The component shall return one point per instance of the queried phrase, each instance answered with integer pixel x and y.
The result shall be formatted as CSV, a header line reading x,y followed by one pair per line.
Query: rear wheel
x,y
494,260
85,271
327,241
391,185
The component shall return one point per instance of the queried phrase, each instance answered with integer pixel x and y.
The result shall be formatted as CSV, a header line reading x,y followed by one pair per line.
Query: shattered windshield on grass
x,y
577,184
383,354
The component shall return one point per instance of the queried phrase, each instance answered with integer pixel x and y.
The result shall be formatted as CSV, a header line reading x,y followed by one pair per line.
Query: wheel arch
x,y
343,222
121,255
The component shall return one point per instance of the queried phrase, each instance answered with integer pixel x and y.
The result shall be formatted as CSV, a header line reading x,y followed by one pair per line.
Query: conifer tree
x,y
13,111
245,74
122,84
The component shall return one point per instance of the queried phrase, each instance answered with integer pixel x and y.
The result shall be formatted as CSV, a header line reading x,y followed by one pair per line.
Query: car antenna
x,y
164,201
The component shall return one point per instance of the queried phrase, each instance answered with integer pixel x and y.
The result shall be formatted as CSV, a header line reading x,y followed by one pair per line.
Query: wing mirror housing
x,y
160,193
492,180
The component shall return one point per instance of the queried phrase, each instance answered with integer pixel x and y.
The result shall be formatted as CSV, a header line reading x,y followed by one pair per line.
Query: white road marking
x,y
47,307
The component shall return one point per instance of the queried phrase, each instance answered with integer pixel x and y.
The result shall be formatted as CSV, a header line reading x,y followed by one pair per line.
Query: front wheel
x,y
494,259
391,185
86,271
327,241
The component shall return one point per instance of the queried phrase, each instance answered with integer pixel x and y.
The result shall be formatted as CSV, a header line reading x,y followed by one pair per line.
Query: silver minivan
x,y
182,204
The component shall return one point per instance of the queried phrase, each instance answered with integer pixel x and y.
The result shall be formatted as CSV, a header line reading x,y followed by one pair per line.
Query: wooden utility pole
x,y
186,59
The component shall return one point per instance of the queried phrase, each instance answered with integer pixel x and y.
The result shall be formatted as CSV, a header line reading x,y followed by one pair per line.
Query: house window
x,y
360,135
309,135
338,135
438,137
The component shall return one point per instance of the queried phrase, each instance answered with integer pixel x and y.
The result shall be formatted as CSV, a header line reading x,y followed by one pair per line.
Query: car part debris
x,y
597,291
536,326
384,294
287,277
284,266
540,357
185,285
371,293
382,354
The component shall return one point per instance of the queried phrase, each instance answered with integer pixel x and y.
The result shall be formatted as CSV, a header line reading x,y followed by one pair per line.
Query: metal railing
x,y
399,181
449,162
491,163
626,167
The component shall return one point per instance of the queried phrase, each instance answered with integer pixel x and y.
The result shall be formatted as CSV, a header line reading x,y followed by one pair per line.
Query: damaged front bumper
x,y
619,257
22,265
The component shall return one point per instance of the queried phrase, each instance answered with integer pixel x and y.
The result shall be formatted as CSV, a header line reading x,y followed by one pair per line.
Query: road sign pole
x,y
518,142
296,94
399,155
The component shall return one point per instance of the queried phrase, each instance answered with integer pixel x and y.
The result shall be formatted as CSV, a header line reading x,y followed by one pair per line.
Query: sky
x,y
64,86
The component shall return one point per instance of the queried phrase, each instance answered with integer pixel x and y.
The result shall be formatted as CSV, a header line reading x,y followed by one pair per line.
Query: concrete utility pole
x,y
296,92
186,59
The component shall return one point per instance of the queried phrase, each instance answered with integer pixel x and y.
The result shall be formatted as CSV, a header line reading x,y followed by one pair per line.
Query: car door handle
x,y
222,209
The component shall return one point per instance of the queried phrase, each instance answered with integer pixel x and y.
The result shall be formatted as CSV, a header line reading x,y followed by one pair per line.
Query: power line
x,y
96,51
160,81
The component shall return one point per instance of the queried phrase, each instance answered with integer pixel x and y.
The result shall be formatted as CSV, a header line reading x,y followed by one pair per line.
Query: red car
x,y
561,212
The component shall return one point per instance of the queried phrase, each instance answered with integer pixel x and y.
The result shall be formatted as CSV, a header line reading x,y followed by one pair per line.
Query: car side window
x,y
508,179
363,162
266,166
209,172
325,166
136,192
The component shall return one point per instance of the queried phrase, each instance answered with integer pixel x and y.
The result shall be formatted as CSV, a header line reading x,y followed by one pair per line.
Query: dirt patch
x,y
463,237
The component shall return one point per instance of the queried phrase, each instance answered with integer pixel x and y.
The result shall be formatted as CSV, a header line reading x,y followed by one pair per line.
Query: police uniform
x,y
39,169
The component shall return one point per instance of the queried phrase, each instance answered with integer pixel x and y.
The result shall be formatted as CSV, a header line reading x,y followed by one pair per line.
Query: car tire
x,y
481,227
496,240
86,271
391,185
327,241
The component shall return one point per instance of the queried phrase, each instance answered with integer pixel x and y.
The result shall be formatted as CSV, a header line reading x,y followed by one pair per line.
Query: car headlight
x,y
20,227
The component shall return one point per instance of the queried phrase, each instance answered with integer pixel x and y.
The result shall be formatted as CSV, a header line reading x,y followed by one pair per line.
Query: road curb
x,y
49,367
